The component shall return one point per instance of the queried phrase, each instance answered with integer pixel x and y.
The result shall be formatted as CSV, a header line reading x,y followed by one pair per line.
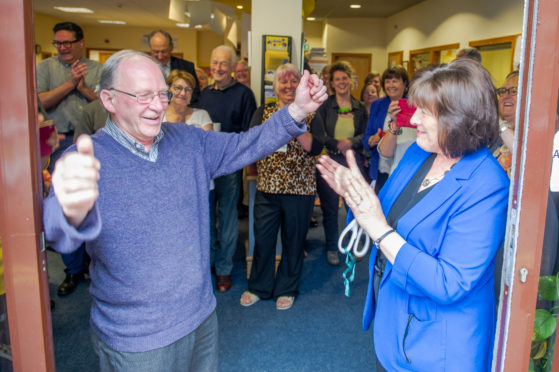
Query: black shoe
x,y
70,284
313,223
332,258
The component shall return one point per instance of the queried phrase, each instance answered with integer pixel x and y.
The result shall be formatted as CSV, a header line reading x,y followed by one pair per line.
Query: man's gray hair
x,y
227,49
110,68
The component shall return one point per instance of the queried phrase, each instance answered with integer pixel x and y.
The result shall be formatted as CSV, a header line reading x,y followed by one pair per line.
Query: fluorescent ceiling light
x,y
239,7
73,10
311,19
111,22
355,6
198,26
183,25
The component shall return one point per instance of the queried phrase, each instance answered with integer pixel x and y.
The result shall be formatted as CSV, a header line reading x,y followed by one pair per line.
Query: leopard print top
x,y
289,172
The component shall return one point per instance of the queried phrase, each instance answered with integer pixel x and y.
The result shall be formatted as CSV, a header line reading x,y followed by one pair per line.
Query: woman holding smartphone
x,y
382,125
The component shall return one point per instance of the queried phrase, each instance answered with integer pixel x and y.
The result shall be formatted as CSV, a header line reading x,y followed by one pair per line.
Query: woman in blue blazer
x,y
439,220
395,86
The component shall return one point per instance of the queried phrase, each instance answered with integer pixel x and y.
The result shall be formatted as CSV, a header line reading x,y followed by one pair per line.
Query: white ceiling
x,y
154,13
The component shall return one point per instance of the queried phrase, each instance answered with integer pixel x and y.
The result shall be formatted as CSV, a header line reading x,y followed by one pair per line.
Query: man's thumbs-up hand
x,y
74,181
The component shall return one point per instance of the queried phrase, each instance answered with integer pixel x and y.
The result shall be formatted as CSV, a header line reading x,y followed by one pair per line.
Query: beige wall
x,y
440,22
313,33
430,23
207,41
276,16
43,32
357,35
127,37
122,37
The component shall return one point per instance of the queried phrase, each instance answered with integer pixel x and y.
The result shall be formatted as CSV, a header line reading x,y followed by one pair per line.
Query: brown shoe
x,y
223,283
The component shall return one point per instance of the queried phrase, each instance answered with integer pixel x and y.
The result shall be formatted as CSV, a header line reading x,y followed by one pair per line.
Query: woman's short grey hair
x,y
110,68
283,71
461,95
228,49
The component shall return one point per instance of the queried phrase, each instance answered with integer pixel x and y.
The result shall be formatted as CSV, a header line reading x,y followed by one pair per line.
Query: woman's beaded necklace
x,y
344,110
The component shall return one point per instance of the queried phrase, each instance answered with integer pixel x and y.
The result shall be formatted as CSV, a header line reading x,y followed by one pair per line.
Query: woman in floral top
x,y
286,187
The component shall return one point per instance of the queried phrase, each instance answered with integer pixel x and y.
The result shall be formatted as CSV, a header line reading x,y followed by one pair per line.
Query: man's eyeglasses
x,y
65,44
179,88
513,91
164,96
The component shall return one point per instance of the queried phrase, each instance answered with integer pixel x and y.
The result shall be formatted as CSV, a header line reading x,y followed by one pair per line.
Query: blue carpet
x,y
321,332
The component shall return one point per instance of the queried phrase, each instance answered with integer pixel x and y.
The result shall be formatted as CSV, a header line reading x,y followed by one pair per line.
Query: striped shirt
x,y
131,144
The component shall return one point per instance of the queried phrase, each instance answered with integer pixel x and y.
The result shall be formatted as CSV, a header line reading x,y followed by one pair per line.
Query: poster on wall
x,y
276,50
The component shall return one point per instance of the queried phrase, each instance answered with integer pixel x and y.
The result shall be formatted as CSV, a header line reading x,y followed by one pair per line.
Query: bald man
x,y
137,193
161,46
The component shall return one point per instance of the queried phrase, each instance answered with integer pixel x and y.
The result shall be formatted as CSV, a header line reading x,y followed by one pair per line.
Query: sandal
x,y
248,299
284,302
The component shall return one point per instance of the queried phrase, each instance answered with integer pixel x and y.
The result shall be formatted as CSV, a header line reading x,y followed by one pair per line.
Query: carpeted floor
x,y
321,332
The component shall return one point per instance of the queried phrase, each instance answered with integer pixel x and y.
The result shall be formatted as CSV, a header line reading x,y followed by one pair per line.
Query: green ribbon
x,y
349,273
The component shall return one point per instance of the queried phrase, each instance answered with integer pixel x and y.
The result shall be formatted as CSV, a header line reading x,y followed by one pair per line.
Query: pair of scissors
x,y
352,246
354,240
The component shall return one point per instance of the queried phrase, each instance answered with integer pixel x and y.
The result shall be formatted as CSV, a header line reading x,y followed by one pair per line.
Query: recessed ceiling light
x,y
73,10
198,26
183,25
111,22
212,16
187,14
355,6
311,19
239,7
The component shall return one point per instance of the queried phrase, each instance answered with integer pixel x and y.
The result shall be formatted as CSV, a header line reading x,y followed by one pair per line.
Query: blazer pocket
x,y
424,344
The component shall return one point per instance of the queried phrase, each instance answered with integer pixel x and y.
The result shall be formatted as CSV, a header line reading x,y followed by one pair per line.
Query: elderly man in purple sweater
x,y
137,193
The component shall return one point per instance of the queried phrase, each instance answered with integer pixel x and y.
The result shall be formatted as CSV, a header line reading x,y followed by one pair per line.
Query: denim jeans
x,y
77,261
227,189
195,352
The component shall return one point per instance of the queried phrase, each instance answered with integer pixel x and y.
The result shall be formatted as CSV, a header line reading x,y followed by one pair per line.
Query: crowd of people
x,y
155,171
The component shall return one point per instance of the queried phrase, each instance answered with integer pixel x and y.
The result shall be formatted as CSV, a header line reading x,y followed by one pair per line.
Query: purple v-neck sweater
x,y
148,233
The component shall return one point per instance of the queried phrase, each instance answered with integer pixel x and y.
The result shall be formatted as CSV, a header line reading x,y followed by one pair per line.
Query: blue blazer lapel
x,y
440,194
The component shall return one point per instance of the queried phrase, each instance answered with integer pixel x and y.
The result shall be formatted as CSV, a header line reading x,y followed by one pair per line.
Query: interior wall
x,y
129,37
122,36
207,41
357,35
279,18
43,32
427,24
313,33
439,22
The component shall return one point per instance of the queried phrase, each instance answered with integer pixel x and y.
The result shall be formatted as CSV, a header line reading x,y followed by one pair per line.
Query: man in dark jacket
x,y
161,45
